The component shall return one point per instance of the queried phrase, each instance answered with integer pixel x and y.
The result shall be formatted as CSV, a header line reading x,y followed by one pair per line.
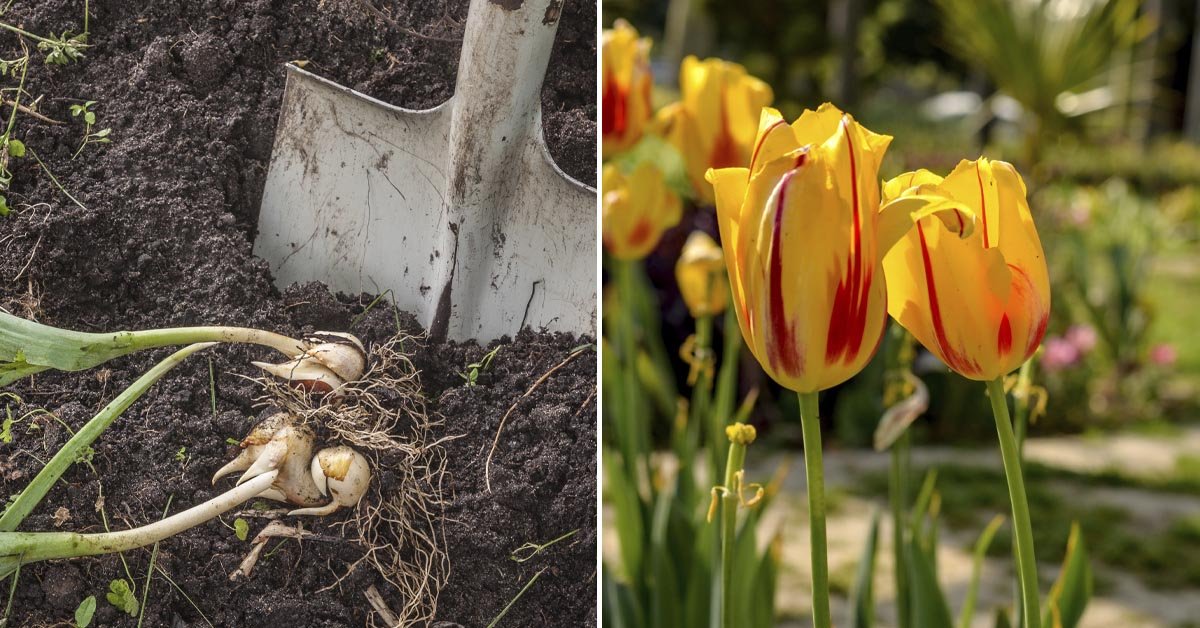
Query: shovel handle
x,y
497,97
495,111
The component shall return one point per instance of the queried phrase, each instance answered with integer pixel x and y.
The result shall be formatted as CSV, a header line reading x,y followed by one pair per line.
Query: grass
x,y
1177,291
1169,559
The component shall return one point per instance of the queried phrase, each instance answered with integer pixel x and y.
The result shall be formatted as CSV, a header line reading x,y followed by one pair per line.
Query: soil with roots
x,y
162,235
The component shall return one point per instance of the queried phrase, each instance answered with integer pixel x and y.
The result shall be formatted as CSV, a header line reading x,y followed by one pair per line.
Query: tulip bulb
x,y
341,473
280,444
330,359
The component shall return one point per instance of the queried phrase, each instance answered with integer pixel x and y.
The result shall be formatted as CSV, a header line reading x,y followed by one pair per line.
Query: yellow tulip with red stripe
x,y
714,123
625,91
636,210
980,303
700,273
804,238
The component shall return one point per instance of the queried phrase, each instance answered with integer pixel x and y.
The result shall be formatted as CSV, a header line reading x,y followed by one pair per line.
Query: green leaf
x,y
16,147
102,133
1002,620
241,529
981,547
4,209
121,596
90,117
1070,594
862,596
83,614
6,436
929,607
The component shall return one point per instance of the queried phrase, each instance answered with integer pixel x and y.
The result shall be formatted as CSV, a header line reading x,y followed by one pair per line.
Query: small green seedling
x,y
89,120
85,611
181,455
471,375
241,529
121,596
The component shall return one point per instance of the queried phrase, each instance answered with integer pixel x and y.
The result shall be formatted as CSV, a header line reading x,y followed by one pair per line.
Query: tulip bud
x,y
700,273
343,474
330,360
625,92
714,123
637,209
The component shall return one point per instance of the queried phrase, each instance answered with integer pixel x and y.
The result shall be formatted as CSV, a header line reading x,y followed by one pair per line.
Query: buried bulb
x,y
330,359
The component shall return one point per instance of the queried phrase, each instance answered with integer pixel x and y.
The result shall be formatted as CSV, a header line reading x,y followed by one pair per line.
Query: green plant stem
x,y
12,117
725,395
41,484
633,423
729,504
1026,562
40,346
1021,404
815,477
31,547
14,29
898,497
701,404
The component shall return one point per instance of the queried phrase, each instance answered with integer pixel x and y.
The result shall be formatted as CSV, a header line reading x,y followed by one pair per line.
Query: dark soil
x,y
191,91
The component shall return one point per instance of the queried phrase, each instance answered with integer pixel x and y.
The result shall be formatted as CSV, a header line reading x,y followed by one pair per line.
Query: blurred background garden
x,y
1097,103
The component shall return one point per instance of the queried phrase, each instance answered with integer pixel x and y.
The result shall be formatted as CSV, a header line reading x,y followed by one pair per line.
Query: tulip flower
x,y
804,239
713,126
636,210
700,273
979,303
625,92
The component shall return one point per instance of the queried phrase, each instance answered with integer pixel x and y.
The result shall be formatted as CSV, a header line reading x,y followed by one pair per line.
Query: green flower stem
x,y
898,498
815,477
1026,562
701,404
729,505
1021,403
30,547
633,423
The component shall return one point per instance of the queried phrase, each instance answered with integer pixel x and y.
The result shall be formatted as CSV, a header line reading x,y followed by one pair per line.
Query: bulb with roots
x,y
329,360
341,473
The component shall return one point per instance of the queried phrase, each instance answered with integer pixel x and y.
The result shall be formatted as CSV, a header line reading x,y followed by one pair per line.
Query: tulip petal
x,y
729,189
775,139
896,218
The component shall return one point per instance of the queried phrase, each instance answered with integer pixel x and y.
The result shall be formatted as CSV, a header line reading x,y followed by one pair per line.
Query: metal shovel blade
x,y
458,210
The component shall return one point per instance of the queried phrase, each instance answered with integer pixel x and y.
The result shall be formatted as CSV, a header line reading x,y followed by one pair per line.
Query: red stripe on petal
x,y
724,151
1004,337
640,233
614,114
982,205
761,140
848,316
782,349
952,357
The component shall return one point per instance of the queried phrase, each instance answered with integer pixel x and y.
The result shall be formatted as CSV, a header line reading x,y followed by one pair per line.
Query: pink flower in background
x,y
1059,353
1083,337
1163,354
